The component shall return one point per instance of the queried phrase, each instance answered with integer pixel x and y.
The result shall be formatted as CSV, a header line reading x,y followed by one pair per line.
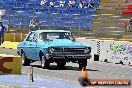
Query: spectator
x,y
71,3
52,4
90,4
81,5
2,30
35,24
32,22
62,3
129,27
43,2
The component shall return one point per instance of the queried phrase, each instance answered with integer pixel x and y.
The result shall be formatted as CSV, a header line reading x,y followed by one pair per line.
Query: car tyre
x,y
25,61
83,64
44,63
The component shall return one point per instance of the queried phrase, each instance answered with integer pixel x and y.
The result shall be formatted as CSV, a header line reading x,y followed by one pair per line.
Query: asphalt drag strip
x,y
22,81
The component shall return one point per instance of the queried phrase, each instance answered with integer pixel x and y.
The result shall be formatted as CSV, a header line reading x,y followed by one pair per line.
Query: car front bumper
x,y
69,57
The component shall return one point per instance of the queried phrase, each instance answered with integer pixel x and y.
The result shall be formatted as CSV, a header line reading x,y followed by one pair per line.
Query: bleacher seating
x,y
20,12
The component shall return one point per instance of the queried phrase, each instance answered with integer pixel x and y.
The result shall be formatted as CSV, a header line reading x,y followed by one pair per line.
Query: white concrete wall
x,y
113,51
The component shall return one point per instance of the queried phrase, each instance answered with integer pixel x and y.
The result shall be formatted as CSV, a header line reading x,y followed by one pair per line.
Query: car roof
x,y
39,31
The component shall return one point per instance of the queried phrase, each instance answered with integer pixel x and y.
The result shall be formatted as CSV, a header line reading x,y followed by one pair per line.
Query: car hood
x,y
62,42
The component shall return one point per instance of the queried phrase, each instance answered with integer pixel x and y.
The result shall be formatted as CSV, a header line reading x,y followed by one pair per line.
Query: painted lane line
x,y
117,31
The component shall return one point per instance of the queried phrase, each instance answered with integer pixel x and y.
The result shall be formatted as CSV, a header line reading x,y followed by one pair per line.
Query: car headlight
x,y
87,50
51,50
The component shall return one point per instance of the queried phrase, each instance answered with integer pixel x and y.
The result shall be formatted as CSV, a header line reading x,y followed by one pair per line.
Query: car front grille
x,y
68,50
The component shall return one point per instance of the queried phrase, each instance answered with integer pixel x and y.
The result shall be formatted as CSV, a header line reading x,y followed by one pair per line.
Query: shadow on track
x,y
54,67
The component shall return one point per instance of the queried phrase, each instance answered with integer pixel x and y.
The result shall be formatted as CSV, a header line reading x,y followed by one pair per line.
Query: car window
x,y
43,36
35,37
30,37
56,35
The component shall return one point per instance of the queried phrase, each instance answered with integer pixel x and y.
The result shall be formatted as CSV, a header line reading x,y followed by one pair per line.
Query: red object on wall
x,y
128,10
124,24
129,7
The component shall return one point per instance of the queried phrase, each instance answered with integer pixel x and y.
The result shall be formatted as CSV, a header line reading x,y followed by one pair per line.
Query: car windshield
x,y
56,35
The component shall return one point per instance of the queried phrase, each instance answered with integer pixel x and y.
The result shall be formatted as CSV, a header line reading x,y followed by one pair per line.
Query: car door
x,y
35,48
28,46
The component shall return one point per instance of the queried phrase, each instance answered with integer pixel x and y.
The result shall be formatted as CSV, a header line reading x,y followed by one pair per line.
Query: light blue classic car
x,y
48,46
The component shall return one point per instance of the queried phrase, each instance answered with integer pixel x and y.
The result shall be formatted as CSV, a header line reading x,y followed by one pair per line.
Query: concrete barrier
x,y
105,51
120,51
10,64
110,50
10,45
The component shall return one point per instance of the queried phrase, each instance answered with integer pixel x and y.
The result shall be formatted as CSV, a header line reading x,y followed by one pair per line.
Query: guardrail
x,y
10,64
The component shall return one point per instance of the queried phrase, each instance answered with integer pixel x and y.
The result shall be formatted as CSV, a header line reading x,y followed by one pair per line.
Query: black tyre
x,y
25,61
106,60
121,62
44,62
82,64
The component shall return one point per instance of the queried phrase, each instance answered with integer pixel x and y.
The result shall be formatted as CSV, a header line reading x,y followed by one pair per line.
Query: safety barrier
x,y
9,45
14,37
110,50
9,37
10,64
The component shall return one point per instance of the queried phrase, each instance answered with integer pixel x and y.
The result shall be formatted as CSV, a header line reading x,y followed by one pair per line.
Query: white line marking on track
x,y
117,31
107,14
112,27
123,19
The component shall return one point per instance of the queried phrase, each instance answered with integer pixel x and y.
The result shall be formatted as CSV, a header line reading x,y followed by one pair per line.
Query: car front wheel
x,y
25,61
44,63
82,64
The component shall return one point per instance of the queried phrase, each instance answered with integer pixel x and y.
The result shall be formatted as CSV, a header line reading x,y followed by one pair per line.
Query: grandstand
x,y
20,12
108,20
59,14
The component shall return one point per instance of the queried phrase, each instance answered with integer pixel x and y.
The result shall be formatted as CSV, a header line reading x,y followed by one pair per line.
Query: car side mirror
x,y
30,40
